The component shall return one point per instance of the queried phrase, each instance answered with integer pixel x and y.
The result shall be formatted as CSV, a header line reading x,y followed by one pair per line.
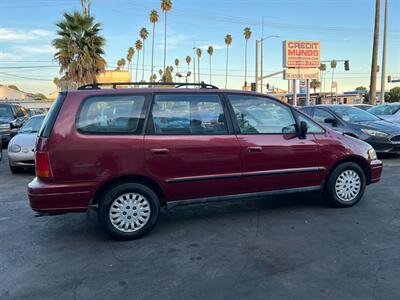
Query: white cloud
x,y
37,49
9,57
216,47
23,34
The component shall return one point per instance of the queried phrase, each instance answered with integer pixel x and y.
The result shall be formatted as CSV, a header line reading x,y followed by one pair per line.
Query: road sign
x,y
301,73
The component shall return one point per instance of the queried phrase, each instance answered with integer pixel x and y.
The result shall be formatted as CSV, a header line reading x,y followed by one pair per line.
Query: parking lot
x,y
286,247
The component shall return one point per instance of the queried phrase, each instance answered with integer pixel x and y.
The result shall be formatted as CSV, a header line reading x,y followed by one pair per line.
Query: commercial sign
x,y
301,73
301,54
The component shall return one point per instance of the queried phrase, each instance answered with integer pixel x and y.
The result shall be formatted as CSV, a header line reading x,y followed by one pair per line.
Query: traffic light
x,y
267,86
346,65
253,86
389,78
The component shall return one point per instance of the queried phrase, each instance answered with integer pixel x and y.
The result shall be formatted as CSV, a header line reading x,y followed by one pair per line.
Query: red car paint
x,y
182,167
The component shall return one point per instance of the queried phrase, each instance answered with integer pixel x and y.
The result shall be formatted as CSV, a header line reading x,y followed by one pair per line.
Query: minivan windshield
x,y
33,125
5,111
352,114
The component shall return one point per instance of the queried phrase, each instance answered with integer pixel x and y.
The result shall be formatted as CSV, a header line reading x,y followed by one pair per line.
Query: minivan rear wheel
x,y
128,210
346,185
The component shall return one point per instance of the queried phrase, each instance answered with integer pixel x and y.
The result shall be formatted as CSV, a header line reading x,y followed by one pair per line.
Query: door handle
x,y
159,151
254,149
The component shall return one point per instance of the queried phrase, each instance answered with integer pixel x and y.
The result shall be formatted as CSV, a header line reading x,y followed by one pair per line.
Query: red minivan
x,y
130,151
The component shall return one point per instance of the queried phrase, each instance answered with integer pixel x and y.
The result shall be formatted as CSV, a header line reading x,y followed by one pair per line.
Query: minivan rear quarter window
x,y
111,114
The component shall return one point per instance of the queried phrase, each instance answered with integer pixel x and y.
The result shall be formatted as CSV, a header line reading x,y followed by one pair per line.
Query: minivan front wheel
x,y
346,185
128,211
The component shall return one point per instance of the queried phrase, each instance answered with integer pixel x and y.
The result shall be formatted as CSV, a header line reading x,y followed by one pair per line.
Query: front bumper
x,y
375,167
51,198
21,159
384,146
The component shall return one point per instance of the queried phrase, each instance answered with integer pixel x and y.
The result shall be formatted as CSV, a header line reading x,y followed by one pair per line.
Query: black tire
x,y
116,191
16,169
330,193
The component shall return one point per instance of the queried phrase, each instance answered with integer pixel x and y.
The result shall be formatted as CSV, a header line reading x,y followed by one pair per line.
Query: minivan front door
x,y
190,148
274,156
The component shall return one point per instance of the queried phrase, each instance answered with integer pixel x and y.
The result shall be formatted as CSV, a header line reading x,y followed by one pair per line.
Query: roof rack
x,y
114,85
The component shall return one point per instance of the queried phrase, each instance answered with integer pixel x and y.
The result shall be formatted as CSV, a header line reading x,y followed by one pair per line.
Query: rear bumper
x,y
49,198
376,168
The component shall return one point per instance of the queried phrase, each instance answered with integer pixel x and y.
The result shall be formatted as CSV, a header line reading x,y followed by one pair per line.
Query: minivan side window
x,y
111,115
260,115
312,126
191,114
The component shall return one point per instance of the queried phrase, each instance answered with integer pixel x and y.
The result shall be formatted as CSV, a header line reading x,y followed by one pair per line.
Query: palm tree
x,y
177,66
333,67
315,84
228,42
188,60
322,69
210,52
129,57
247,35
374,64
79,49
121,64
198,53
153,19
138,46
166,6
144,35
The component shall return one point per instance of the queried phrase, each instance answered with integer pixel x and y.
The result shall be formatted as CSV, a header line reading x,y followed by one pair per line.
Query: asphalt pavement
x,y
286,247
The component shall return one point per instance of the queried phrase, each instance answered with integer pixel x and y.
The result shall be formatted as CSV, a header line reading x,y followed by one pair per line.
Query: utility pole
x,y
256,66
194,63
383,75
262,54
374,64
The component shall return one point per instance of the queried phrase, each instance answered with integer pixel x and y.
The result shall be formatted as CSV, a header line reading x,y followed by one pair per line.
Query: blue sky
x,y
344,28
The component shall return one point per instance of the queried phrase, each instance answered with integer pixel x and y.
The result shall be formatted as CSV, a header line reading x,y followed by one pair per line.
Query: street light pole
x,y
262,59
262,53
383,75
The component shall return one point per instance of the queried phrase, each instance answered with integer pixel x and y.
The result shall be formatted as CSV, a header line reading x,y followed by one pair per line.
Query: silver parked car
x,y
388,111
21,148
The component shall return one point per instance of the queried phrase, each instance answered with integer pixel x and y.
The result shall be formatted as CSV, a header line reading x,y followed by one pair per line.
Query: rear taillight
x,y
42,165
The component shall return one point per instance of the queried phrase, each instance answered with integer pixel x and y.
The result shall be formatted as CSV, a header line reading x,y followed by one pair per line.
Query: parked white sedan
x,y
21,148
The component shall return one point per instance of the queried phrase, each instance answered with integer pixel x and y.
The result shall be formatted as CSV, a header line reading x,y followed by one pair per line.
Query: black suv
x,y
11,116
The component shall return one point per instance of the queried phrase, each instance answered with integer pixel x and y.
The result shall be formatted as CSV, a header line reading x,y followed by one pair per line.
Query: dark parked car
x,y
362,106
389,111
384,136
11,116
127,152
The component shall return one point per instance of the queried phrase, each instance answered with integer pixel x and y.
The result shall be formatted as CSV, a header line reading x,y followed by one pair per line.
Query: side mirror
x,y
20,114
331,121
303,129
14,132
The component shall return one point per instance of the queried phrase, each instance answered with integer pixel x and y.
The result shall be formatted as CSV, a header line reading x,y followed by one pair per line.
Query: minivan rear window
x,y
51,116
111,114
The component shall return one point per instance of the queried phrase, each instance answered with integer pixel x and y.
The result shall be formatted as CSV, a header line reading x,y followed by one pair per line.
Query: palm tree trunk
x,y
165,40
152,52
137,66
210,71
198,68
143,61
245,65
226,70
374,66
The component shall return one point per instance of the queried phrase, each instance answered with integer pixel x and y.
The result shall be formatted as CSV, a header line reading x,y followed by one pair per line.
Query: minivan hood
x,y
381,125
